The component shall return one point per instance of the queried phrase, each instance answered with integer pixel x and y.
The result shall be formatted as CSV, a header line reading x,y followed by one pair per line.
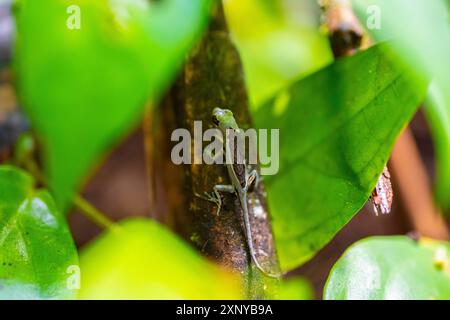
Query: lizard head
x,y
224,119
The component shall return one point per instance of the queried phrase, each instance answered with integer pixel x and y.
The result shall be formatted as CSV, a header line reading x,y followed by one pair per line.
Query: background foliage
x,y
84,90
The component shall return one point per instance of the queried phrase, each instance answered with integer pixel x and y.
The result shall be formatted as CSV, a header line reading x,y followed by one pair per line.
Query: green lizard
x,y
241,179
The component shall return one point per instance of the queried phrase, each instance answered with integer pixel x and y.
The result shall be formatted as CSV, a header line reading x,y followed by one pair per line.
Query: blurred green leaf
x,y
421,30
295,289
391,268
85,88
36,248
437,111
337,129
277,46
143,260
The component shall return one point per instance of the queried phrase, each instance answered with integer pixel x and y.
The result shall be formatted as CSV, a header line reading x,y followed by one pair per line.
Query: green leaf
x,y
37,254
143,260
421,30
85,88
437,111
391,268
278,44
295,289
337,129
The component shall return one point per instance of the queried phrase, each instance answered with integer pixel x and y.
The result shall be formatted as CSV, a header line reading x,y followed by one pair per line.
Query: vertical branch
x,y
415,188
149,142
213,77
163,176
344,30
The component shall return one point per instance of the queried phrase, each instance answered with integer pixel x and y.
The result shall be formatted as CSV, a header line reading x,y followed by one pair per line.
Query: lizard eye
x,y
215,120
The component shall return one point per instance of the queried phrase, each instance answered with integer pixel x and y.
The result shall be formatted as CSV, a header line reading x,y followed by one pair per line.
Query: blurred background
x,y
279,41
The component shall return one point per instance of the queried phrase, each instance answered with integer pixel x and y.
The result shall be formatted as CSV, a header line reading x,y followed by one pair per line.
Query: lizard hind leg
x,y
215,196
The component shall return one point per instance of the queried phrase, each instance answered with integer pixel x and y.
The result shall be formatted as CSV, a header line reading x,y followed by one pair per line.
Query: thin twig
x,y
148,132
415,187
93,213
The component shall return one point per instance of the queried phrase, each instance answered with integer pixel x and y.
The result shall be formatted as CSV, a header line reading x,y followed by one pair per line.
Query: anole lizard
x,y
241,179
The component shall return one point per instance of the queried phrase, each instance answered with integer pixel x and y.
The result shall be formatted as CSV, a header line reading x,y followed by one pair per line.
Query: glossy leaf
x,y
421,30
143,260
337,129
391,268
38,258
84,88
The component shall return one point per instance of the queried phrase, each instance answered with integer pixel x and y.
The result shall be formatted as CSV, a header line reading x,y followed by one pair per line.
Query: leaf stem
x,y
89,211
93,213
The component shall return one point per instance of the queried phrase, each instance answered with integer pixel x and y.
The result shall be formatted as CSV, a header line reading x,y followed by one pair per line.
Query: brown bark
x,y
213,77
344,30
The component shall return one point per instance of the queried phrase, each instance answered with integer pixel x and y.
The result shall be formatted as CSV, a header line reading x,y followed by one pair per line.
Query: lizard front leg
x,y
215,195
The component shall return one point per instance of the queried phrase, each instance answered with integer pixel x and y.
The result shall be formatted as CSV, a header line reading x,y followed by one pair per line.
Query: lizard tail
x,y
248,234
